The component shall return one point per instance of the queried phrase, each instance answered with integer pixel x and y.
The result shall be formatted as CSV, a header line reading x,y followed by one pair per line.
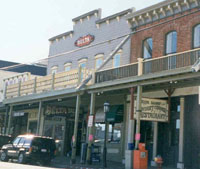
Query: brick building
x,y
162,30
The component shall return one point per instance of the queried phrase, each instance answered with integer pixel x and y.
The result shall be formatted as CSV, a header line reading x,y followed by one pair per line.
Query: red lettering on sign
x,y
85,40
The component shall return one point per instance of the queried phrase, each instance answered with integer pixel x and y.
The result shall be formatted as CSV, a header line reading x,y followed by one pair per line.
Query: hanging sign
x,y
83,41
153,110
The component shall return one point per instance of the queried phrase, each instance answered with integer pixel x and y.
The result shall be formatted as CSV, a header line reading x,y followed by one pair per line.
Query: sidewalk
x,y
64,162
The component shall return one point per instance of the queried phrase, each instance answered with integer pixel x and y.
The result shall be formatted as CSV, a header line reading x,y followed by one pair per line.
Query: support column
x,y
155,142
41,123
138,112
39,117
180,163
131,133
90,130
73,158
6,120
9,120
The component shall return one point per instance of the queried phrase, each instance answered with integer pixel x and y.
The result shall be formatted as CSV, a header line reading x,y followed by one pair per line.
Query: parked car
x,y
4,139
29,148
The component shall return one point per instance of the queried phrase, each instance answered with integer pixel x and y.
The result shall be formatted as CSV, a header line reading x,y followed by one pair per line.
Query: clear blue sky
x,y
26,25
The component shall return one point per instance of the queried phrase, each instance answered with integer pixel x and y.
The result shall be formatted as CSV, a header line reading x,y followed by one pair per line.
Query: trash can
x,y
83,152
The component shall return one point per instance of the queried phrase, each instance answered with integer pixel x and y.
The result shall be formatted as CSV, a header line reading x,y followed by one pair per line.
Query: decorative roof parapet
x,y
117,15
160,10
94,12
61,35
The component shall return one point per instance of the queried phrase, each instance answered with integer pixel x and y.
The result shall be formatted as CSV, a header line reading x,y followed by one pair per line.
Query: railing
x,y
51,82
164,63
170,62
116,73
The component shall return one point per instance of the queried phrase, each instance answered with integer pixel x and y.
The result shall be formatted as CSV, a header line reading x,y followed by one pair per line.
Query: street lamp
x,y
106,110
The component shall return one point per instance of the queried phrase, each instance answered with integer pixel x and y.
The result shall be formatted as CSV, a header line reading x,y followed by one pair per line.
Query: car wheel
x,y
4,156
21,158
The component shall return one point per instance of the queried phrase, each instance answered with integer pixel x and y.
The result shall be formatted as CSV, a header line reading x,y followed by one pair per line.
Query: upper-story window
x,y
67,66
98,60
196,36
116,59
147,48
82,63
54,69
171,42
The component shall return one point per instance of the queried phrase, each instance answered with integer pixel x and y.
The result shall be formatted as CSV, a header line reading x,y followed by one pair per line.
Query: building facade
x,y
164,56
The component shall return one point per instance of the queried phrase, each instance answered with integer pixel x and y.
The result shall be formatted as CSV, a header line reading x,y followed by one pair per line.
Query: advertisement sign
x,y
53,110
83,41
153,110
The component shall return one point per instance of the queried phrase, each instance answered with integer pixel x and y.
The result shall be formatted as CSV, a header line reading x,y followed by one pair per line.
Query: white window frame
x,y
98,57
118,53
82,61
67,65
54,69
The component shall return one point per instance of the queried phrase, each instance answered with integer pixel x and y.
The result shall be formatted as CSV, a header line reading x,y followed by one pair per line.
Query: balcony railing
x,y
164,63
169,62
116,73
51,82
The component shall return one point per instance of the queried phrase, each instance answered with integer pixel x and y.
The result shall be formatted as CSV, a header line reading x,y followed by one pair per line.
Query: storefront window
x,y
114,132
48,129
196,36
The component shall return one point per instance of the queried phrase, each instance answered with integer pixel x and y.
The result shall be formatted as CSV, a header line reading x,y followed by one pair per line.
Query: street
x,y
8,165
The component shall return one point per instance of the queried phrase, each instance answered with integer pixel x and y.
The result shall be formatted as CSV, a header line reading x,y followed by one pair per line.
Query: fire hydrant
x,y
159,161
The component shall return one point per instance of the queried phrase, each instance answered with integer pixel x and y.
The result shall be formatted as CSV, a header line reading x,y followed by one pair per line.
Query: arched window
x,y
67,66
82,62
147,48
196,36
171,42
54,69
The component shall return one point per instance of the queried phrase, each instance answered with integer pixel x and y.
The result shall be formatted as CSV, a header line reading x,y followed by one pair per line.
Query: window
x,y
54,69
16,141
114,132
196,36
147,48
171,42
67,66
22,141
116,59
82,63
98,61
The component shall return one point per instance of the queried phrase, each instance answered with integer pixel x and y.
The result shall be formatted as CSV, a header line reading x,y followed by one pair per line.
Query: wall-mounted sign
x,y
153,110
18,114
53,110
83,41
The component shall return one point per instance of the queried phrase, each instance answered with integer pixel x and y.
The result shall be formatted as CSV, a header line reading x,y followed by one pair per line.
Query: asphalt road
x,y
8,165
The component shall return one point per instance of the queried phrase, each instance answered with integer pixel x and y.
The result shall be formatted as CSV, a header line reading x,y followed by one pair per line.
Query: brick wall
x,y
183,26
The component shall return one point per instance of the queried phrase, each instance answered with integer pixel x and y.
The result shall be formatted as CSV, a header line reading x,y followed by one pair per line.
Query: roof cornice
x,y
160,11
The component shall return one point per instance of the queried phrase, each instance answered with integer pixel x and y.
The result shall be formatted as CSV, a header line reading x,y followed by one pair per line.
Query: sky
x,y
26,25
